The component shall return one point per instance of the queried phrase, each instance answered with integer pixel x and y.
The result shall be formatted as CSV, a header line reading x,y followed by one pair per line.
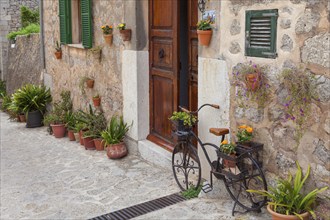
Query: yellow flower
x,y
249,129
224,142
242,126
102,26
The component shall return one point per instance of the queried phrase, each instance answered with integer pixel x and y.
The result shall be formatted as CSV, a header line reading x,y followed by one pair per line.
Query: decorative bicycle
x,y
239,173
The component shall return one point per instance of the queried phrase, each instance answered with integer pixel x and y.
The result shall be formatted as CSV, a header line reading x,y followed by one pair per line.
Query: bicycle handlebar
x,y
195,112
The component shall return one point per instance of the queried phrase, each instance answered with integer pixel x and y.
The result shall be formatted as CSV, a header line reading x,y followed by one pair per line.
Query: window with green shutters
x,y
68,27
260,33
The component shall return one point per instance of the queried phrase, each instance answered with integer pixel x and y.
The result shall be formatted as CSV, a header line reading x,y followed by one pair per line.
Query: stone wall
x,y
302,41
24,64
65,74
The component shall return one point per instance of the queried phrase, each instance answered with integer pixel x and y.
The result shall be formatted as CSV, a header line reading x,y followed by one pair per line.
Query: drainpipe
x,y
42,40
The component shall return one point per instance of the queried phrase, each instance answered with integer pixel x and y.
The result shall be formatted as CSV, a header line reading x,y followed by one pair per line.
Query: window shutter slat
x,y
86,23
65,21
261,33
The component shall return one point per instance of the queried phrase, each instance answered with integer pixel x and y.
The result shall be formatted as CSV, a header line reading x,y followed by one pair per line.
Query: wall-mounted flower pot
x,y
71,135
204,37
34,119
126,34
58,55
89,143
90,83
108,38
58,130
252,81
97,101
116,151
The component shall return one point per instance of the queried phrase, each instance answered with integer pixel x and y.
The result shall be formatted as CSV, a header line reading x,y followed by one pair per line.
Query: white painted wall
x,y
213,88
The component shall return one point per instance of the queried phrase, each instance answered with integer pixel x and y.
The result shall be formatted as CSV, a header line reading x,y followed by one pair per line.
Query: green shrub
x,y
2,89
29,16
32,28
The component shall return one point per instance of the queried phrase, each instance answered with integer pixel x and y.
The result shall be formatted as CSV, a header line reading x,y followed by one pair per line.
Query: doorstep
x,y
155,154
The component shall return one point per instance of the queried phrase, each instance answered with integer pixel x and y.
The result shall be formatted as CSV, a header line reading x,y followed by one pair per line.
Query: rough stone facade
x,y
24,63
77,62
10,21
302,40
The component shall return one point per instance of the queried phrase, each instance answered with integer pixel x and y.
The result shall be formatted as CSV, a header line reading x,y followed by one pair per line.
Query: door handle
x,y
161,53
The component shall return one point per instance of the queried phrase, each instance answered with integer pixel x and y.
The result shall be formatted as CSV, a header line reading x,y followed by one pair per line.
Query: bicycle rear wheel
x,y
250,177
186,166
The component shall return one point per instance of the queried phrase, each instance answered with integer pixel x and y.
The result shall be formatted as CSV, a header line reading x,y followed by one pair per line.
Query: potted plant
x,y
77,128
58,51
95,125
229,150
183,120
32,100
125,33
89,82
244,135
204,32
288,199
96,100
70,119
107,33
113,137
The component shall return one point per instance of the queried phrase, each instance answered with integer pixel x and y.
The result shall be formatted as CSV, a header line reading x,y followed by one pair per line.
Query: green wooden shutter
x,y
86,23
260,33
65,21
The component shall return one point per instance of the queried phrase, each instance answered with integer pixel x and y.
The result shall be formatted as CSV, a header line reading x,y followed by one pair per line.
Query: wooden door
x,y
164,63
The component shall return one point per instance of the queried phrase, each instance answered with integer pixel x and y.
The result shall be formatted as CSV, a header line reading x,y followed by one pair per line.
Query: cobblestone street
x,y
47,178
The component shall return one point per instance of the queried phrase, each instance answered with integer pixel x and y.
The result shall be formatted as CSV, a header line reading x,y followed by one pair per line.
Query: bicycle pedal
x,y
207,188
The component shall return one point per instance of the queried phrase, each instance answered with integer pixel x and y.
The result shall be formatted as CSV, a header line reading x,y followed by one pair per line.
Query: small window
x,y
260,33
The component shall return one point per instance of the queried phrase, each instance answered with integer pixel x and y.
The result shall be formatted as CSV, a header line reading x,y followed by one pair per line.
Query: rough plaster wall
x,y
77,62
302,39
24,64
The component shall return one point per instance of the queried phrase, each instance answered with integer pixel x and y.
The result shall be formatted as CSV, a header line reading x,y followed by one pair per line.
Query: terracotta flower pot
x,y
22,117
277,216
98,144
90,83
89,143
58,55
97,101
71,135
108,38
76,136
252,81
126,34
204,37
230,163
81,137
58,130
116,151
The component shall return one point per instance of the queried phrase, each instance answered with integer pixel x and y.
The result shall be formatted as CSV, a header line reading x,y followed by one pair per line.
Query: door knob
x,y
161,53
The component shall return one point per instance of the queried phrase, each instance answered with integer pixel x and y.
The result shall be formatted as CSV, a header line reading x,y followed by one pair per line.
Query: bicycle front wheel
x,y
186,166
250,177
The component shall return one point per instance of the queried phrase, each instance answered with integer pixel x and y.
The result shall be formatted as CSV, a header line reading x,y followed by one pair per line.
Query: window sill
x,y
79,46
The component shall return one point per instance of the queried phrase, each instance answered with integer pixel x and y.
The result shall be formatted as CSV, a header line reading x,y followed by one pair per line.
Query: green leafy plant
x,y
31,98
301,92
115,131
188,120
96,123
191,192
3,92
71,120
244,134
58,46
29,16
32,28
287,197
244,94
204,25
107,29
121,26
6,101
227,148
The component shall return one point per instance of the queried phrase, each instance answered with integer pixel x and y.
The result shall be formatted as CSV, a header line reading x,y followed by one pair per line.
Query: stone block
x,y
285,23
255,115
287,43
307,22
235,27
234,48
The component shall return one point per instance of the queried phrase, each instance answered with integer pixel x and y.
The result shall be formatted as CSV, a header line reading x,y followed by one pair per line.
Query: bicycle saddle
x,y
219,131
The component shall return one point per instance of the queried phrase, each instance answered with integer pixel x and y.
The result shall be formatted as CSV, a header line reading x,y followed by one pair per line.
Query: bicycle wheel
x,y
250,177
186,166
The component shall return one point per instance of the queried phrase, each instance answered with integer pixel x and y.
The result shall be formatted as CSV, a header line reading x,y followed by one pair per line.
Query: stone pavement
x,y
47,178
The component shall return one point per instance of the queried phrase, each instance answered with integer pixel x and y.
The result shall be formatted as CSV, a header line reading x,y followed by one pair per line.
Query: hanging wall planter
x,y
252,81
58,52
107,33
96,101
125,33
108,38
204,32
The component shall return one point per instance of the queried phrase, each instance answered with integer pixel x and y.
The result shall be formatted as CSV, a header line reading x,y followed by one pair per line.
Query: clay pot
x,y
108,38
252,81
71,135
126,34
230,163
98,144
277,216
89,143
81,137
58,130
90,83
116,151
204,37
22,117
58,55
97,101
76,136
